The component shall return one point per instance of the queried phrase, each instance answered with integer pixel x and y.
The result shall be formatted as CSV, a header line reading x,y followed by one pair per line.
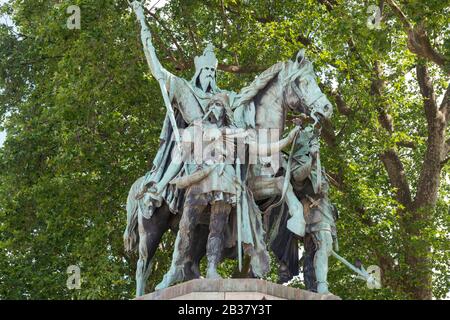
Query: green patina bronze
x,y
246,206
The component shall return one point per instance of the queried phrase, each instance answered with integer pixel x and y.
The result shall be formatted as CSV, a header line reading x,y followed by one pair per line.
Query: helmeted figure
x,y
311,186
320,215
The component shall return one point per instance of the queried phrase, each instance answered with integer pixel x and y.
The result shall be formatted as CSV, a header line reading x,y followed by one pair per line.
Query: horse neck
x,y
270,110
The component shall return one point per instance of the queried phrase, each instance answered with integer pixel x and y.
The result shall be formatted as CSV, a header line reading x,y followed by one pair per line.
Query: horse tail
x,y
131,234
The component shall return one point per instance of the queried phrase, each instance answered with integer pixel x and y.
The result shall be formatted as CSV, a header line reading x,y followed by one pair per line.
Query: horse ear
x,y
300,56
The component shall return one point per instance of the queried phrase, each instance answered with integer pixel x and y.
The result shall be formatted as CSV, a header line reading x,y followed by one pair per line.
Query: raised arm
x,y
161,74
275,147
156,68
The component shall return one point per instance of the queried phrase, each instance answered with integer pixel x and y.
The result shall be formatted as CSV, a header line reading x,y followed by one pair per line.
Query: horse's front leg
x,y
150,234
266,187
144,265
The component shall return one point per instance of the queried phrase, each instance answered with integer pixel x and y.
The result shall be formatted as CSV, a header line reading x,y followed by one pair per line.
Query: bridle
x,y
309,106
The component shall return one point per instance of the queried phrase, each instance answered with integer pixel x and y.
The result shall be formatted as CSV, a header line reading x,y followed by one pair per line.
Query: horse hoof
x,y
161,286
169,279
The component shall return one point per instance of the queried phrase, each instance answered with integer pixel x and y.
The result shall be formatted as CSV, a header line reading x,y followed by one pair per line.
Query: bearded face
x,y
207,78
216,113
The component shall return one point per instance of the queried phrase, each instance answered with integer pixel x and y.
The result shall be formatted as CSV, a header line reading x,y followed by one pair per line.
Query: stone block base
x,y
233,289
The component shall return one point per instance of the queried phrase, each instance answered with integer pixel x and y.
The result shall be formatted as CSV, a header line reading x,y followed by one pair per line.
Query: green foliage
x,y
83,117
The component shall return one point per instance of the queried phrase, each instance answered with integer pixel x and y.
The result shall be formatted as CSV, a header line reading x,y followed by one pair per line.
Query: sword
x,y
319,173
239,213
362,273
146,37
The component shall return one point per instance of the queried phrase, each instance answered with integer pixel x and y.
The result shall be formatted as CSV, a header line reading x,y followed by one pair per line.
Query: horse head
x,y
301,92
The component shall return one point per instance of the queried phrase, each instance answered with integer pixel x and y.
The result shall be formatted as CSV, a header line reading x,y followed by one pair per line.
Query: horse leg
x,y
150,234
309,274
182,247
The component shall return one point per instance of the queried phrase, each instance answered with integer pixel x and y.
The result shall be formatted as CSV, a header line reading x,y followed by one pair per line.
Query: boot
x,y
322,287
213,252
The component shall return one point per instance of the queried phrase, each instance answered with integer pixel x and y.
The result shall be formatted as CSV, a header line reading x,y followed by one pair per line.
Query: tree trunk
x,y
418,274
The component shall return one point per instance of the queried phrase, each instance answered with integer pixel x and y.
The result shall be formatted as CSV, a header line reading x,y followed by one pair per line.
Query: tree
x,y
83,117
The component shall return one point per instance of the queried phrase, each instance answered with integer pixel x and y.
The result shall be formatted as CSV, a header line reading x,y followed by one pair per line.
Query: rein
x,y
287,178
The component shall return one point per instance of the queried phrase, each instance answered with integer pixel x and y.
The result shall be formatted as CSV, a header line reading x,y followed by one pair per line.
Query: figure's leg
x,y
214,249
192,269
309,274
325,244
150,233
183,243
155,190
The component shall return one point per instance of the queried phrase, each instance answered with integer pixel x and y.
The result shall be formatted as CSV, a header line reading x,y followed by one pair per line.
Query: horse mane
x,y
249,92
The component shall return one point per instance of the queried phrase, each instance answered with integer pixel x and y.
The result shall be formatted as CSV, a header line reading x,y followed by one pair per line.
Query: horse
x,y
286,86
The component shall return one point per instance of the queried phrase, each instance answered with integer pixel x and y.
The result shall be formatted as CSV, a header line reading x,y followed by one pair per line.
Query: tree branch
x,y
169,53
418,40
340,103
328,134
447,147
407,144
329,4
170,33
443,162
428,184
445,107
427,91
240,69
397,176
41,59
403,18
182,64
390,157
377,89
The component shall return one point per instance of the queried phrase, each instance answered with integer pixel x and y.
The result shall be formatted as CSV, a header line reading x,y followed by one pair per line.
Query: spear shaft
x,y
239,213
150,55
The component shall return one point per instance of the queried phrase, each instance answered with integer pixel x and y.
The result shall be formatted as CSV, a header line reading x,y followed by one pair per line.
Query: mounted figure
x,y
155,205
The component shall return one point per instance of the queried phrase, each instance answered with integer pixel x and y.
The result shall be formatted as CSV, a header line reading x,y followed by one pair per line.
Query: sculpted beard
x,y
207,81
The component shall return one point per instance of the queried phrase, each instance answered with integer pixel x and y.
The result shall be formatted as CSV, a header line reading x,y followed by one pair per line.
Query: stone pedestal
x,y
233,289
